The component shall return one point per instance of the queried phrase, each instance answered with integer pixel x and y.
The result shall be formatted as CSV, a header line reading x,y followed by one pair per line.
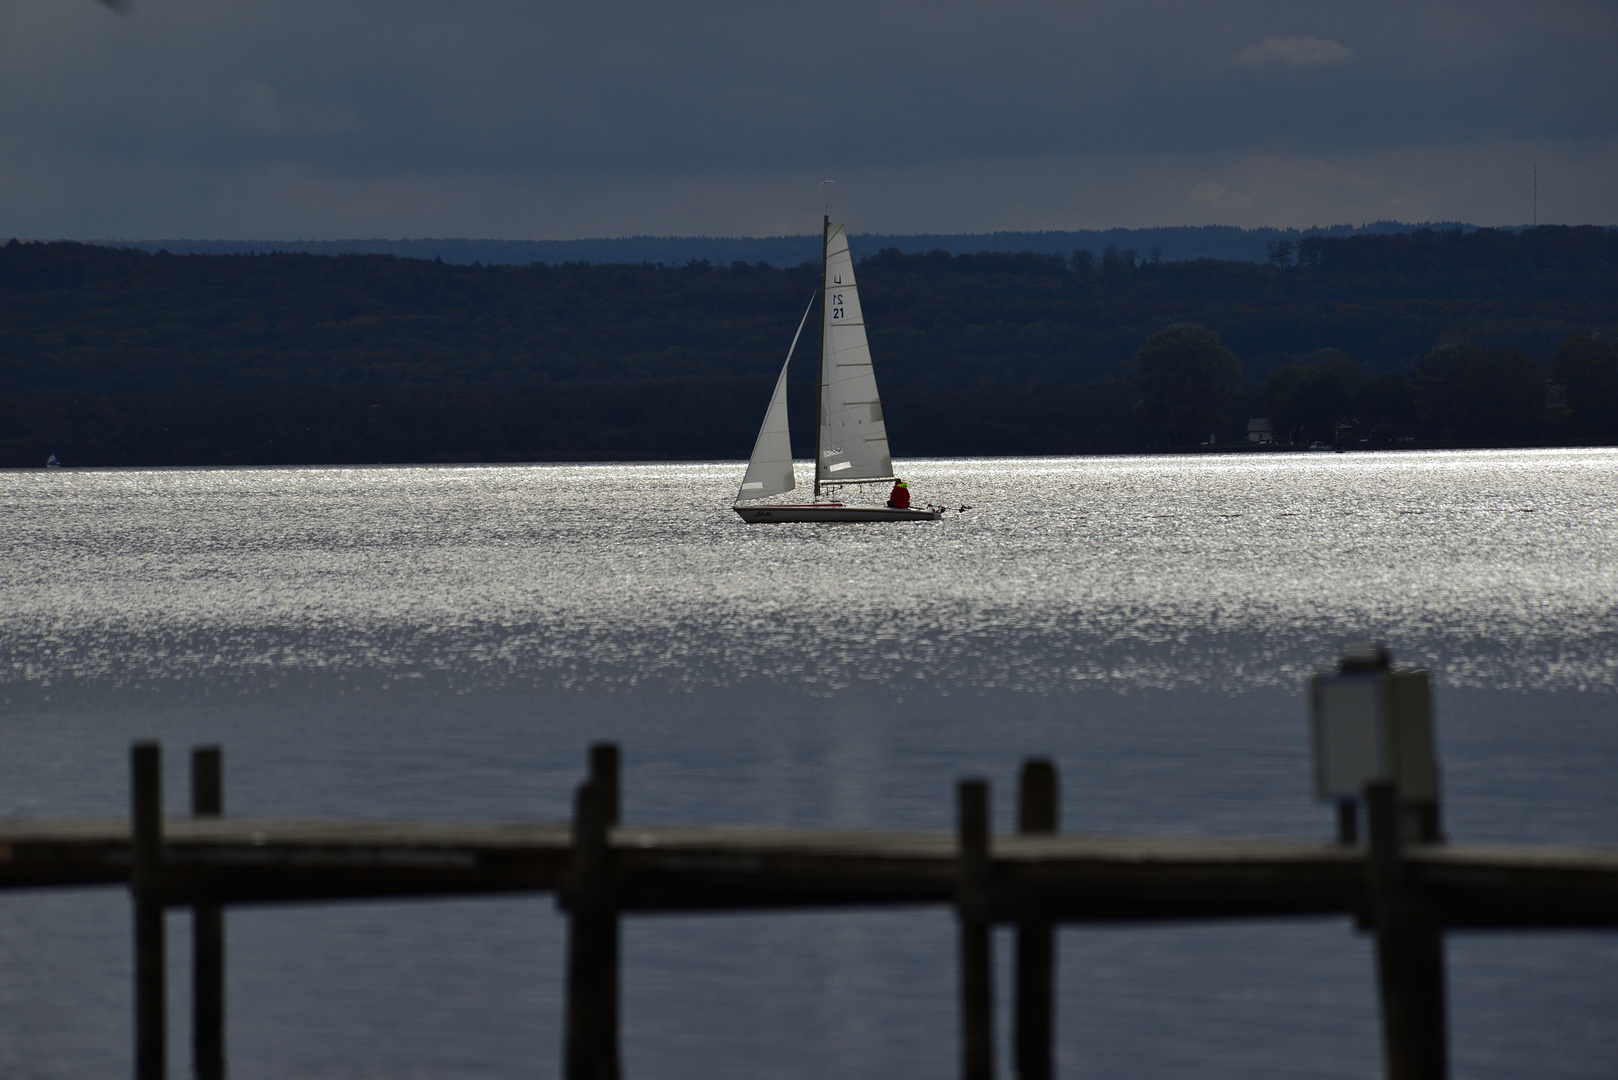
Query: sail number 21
x,y
836,305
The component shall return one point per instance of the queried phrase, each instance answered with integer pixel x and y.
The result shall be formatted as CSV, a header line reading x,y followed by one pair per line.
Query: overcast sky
x,y
525,119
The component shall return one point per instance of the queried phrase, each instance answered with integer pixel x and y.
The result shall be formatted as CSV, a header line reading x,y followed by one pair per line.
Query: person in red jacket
x,y
899,497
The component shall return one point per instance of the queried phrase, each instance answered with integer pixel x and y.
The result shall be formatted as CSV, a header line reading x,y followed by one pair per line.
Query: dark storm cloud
x,y
356,91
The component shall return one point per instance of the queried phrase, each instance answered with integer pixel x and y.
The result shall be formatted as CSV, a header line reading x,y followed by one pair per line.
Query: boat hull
x,y
778,512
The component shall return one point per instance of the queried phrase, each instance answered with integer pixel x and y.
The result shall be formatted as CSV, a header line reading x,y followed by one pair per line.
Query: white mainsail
x,y
853,437
769,470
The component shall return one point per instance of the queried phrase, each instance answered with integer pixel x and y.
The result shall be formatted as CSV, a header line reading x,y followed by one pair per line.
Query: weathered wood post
x,y
1037,814
1409,949
591,1036
146,864
1348,823
604,773
207,932
972,903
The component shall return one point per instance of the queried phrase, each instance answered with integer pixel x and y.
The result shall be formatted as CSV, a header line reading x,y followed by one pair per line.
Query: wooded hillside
x,y
119,357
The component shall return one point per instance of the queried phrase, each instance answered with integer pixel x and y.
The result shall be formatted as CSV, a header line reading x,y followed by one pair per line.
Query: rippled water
x,y
1136,572
445,641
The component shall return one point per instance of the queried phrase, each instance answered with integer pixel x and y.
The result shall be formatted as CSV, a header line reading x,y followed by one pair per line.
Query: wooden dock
x,y
1408,893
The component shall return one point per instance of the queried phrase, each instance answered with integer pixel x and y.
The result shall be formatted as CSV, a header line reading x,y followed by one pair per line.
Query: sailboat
x,y
851,446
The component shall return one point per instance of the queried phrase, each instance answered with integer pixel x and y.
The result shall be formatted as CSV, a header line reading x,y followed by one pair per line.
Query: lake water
x,y
445,642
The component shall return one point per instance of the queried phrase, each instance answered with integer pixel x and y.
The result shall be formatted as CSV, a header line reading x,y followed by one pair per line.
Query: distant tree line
x,y
1180,242
113,356
1457,393
691,419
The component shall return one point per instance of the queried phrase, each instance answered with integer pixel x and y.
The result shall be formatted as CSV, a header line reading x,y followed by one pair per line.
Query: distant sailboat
x,y
52,463
852,442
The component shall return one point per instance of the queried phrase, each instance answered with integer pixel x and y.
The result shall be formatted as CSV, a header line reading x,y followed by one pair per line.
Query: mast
x,y
820,421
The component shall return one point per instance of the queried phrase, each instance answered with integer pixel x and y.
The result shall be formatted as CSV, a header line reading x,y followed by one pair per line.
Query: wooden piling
x,y
1409,950
146,862
604,774
590,1049
1348,823
207,932
1038,805
1424,823
973,908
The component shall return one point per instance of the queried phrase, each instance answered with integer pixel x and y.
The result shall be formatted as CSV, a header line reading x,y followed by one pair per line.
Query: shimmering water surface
x,y
444,642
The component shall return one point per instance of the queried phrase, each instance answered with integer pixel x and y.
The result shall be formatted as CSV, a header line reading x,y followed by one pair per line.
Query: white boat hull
x,y
771,513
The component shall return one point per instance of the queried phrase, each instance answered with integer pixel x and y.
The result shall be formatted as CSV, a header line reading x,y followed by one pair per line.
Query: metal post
x,y
1409,951
1037,814
207,932
977,945
590,1049
146,862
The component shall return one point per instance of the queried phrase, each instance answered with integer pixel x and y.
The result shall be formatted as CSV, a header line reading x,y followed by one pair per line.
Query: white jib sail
x,y
853,438
769,470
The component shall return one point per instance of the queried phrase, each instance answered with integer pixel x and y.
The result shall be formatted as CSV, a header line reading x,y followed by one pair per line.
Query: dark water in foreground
x,y
444,643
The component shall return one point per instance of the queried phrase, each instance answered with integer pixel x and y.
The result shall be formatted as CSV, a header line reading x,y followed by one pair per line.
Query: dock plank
x,y
1066,878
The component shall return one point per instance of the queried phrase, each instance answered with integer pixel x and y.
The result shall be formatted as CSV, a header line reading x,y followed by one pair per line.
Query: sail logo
x,y
833,452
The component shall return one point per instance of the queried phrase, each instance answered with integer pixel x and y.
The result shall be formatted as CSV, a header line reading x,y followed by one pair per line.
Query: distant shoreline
x,y
562,458
1360,448
1168,243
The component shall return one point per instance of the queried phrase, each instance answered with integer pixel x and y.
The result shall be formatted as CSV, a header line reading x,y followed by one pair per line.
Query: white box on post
x,y
1372,723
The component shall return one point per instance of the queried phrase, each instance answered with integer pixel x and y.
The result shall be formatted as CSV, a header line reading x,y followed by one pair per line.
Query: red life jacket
x,y
899,497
